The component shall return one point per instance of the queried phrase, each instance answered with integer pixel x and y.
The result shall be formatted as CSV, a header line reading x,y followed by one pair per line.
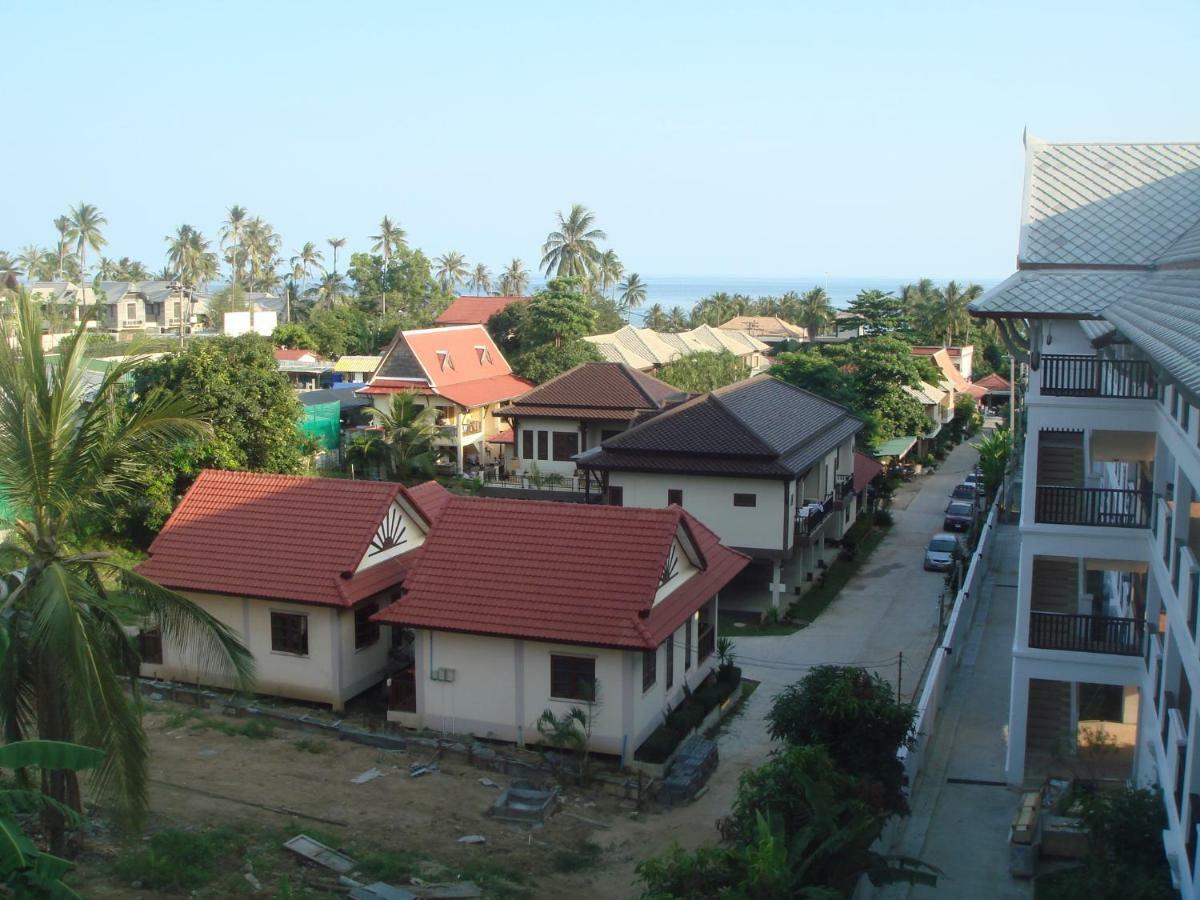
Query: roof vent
x,y
485,355
444,360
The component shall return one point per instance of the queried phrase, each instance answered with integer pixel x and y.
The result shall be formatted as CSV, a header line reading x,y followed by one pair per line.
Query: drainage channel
x,y
977,782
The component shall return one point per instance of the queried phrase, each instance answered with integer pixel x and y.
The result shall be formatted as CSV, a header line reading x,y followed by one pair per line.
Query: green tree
x,y
451,270
307,260
231,298
856,717
232,230
559,313
87,224
994,453
408,435
609,271
508,326
62,225
335,244
633,292
677,319
814,311
236,386
294,336
816,372
481,279
402,288
879,312
570,250
514,279
189,256
545,362
391,238
699,373
64,462
655,317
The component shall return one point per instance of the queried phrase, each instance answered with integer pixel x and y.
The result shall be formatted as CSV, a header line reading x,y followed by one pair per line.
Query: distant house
x,y
845,326
766,465
938,406
519,606
648,350
992,390
770,330
475,310
155,306
296,567
570,413
962,358
356,369
459,372
306,370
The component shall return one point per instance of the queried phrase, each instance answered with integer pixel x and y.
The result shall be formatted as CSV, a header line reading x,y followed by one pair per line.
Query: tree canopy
x,y
698,373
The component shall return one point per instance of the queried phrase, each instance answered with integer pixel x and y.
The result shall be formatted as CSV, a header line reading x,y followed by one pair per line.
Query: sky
x,y
756,139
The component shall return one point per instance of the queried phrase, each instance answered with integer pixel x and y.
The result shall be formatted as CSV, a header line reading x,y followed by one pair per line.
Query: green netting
x,y
322,423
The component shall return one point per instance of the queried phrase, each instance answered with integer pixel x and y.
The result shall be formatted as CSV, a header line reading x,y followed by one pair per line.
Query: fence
x,y
947,654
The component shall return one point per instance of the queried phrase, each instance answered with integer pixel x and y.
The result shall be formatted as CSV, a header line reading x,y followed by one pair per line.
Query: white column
x,y
776,587
1018,716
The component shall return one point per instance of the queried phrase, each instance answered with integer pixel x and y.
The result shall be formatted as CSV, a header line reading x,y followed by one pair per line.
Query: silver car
x,y
939,555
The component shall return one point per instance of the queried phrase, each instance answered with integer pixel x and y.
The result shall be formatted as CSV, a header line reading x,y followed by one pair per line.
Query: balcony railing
x,y
1087,634
843,486
1065,375
545,481
811,515
1109,507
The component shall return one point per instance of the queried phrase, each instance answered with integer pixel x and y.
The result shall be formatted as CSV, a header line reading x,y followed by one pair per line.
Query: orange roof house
x,y
462,374
475,310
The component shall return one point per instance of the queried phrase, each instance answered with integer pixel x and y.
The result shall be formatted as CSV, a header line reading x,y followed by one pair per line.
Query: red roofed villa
x,y
460,372
296,567
519,606
475,310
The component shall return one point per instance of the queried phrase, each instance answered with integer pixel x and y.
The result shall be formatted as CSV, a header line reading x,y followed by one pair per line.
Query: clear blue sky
x,y
725,138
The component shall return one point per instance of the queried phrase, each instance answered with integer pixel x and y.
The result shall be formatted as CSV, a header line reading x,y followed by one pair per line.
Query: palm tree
x,y
328,290
45,268
677,319
571,249
633,291
30,259
481,279
306,259
9,273
814,311
391,238
86,222
514,280
131,270
64,461
231,237
451,270
656,318
610,269
63,226
261,243
955,317
408,432
337,244
191,260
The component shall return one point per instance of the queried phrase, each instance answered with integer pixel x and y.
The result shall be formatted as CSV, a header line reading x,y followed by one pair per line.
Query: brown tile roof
x,y
595,390
475,310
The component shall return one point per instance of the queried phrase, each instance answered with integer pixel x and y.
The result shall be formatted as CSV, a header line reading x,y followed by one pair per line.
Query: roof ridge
x,y
766,448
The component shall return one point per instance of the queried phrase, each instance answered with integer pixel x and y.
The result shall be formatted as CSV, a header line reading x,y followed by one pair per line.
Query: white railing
x,y
947,655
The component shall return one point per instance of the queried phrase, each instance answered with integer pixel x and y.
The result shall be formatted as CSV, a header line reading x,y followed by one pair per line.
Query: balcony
x,y
1106,507
811,515
1091,376
843,487
1086,634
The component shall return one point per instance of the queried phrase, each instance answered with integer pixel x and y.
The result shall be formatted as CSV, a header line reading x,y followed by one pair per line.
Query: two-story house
x,y
1105,310
570,413
460,373
766,465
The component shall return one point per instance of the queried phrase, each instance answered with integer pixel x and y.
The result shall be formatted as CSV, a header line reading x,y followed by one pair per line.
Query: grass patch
x,y
581,858
733,626
806,608
196,720
498,879
392,866
311,745
749,686
177,859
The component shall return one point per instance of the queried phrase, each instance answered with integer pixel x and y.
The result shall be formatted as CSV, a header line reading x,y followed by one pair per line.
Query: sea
x,y
686,290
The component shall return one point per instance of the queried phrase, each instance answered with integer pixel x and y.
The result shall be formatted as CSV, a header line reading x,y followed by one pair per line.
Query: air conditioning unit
x,y
446,675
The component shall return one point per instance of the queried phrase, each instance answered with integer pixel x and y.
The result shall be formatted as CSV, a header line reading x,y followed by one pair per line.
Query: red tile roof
x,y
475,310
503,437
994,382
596,390
865,469
560,572
941,359
486,390
283,537
975,391
929,351
284,354
431,498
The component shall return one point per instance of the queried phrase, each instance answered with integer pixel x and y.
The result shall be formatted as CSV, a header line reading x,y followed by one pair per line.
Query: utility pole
x,y
900,678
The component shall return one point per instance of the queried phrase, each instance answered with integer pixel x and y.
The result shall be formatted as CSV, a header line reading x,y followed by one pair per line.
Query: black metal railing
x,y
843,486
1088,634
1064,375
812,514
1111,507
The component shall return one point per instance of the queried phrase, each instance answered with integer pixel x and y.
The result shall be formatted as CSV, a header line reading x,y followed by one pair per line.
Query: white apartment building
x,y
1105,311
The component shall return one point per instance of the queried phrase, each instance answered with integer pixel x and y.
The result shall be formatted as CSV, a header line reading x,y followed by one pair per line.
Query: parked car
x,y
975,478
959,516
965,491
939,555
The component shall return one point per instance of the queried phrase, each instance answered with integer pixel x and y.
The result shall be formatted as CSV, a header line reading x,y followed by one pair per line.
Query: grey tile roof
x,y
1161,315
1052,292
760,427
1122,204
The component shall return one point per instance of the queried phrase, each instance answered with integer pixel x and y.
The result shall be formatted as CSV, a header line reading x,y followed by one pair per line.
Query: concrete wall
x,y
548,466
332,671
239,323
766,526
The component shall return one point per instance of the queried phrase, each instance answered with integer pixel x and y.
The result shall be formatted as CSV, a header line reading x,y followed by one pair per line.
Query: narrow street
x,y
889,608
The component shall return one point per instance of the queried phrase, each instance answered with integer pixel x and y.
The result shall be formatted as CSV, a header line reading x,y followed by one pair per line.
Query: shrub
x,y
662,743
177,859
689,714
884,518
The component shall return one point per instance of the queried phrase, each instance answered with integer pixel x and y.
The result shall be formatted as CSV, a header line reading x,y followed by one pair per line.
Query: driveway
x,y
889,608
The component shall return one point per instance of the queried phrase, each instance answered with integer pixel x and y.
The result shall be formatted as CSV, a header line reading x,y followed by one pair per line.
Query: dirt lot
x,y
210,772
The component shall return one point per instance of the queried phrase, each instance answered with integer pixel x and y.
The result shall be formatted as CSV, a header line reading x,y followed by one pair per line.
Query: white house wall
x,y
765,526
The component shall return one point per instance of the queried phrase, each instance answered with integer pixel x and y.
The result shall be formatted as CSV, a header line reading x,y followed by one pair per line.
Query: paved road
x,y
889,607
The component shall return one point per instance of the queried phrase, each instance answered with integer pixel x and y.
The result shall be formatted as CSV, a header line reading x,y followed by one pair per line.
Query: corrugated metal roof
x,y
1161,315
1048,292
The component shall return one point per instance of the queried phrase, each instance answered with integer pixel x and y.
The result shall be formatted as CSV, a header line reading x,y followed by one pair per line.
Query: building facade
x,y
1105,310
